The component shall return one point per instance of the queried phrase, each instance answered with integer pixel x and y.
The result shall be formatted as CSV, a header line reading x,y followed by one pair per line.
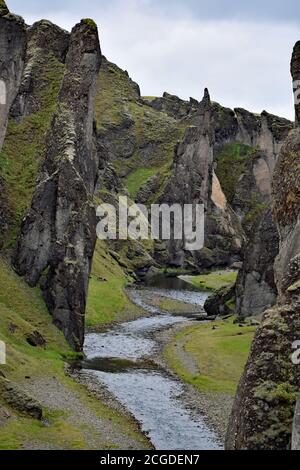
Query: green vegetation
x,y
153,135
232,161
107,300
136,180
23,311
213,281
89,22
149,98
25,141
3,8
256,209
219,350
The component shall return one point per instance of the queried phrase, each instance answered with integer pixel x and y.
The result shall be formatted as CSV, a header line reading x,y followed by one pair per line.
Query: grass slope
x,y
153,134
231,163
107,299
213,281
219,350
22,311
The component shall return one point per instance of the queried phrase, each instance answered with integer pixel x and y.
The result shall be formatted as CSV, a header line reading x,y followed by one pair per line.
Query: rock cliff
x,y
264,407
12,51
58,234
12,54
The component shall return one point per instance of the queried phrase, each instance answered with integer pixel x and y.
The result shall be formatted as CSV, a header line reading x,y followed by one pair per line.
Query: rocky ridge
x,y
263,412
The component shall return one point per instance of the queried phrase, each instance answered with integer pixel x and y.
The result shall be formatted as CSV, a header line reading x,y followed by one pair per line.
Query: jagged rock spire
x,y
206,96
205,103
58,234
295,71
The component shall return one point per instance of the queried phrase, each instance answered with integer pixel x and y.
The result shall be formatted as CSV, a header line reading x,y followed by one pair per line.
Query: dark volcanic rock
x,y
295,71
193,181
46,42
35,339
58,234
12,51
218,304
174,106
256,290
264,406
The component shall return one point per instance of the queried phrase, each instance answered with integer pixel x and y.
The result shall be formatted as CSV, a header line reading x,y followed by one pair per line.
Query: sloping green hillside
x,y
72,418
140,139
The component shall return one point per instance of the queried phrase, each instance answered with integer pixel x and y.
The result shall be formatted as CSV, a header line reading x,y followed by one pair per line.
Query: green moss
x,y
274,393
107,299
213,281
3,8
22,311
153,134
231,163
219,349
256,209
137,179
24,145
89,22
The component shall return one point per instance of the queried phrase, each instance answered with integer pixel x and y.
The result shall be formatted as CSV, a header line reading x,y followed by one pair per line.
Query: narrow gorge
x,y
89,325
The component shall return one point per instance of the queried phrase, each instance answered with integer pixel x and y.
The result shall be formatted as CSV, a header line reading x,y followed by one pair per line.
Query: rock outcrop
x,y
256,289
174,106
18,400
12,52
221,303
193,181
250,198
264,407
296,428
30,117
58,234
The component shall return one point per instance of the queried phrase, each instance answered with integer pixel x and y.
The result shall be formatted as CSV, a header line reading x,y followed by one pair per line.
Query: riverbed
x,y
122,359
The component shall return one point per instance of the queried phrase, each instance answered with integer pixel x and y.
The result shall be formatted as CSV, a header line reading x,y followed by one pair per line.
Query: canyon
x,y
76,133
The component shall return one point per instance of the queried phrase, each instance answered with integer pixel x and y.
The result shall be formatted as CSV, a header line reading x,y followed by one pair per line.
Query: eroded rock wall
x,y
58,234
264,406
12,54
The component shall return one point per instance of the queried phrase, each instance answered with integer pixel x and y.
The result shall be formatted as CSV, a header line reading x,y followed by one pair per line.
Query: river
x,y
121,359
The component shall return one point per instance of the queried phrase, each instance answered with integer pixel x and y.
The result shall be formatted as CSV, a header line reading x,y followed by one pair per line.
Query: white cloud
x,y
243,63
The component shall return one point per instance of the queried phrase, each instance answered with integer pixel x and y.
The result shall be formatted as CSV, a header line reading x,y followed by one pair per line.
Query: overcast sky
x,y
239,50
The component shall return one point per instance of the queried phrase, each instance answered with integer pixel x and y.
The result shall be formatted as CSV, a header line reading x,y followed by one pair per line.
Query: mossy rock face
x,y
269,387
222,302
286,180
3,8
31,116
256,289
231,163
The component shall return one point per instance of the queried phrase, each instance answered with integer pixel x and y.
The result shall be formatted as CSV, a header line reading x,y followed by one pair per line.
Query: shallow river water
x,y
120,359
